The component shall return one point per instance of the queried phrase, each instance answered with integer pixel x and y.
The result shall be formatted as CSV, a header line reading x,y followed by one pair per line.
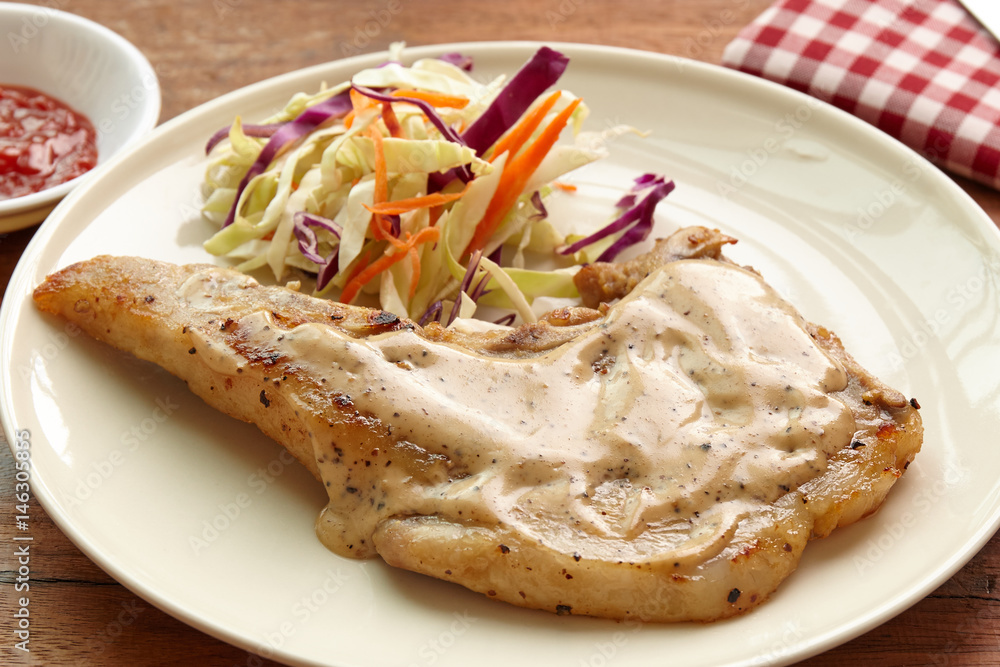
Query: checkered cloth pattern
x,y
923,71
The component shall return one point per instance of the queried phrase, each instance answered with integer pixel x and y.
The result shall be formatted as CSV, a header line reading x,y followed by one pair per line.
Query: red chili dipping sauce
x,y
43,142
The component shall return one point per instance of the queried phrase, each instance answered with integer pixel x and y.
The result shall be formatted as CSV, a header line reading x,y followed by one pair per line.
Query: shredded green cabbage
x,y
331,172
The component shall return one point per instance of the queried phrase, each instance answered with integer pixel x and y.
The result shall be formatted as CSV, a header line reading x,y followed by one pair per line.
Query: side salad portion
x,y
419,186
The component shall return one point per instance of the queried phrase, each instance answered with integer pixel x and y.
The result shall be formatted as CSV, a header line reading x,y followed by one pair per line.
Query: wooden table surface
x,y
200,50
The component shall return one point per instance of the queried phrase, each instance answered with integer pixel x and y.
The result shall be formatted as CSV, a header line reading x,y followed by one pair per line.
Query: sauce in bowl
x,y
43,142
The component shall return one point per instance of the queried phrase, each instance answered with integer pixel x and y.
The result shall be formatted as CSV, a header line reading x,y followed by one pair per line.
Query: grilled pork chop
x,y
663,458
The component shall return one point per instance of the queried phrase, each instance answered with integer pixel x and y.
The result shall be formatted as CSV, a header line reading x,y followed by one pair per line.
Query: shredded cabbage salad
x,y
419,187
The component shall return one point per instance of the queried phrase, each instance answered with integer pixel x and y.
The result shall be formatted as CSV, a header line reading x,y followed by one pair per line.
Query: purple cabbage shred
x,y
536,201
258,131
307,121
432,115
638,220
302,224
540,72
466,284
535,76
459,60
432,314
645,181
628,201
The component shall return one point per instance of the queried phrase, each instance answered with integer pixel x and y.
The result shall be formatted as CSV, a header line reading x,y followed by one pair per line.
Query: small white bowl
x,y
93,70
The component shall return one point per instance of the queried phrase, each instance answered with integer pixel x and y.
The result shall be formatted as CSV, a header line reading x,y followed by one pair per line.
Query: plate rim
x,y
20,277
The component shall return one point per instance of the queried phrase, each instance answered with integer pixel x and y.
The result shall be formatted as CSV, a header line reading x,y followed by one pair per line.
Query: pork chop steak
x,y
664,458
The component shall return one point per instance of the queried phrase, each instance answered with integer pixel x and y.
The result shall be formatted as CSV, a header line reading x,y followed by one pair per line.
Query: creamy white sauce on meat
x,y
699,401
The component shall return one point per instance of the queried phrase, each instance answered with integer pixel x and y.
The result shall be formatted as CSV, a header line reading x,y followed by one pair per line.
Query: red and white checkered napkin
x,y
924,71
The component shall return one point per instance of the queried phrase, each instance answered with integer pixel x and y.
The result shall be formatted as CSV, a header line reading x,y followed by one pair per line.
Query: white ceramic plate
x,y
859,232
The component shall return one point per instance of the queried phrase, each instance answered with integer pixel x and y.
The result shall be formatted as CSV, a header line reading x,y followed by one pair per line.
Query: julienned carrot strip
x,y
381,229
565,187
360,103
360,266
434,214
381,173
390,120
413,203
434,99
515,176
415,266
355,284
512,141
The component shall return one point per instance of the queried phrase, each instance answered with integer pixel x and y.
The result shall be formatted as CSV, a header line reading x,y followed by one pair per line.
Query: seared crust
x,y
603,282
133,304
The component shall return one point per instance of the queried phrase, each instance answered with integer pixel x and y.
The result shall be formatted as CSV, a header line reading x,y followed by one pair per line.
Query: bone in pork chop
x,y
663,458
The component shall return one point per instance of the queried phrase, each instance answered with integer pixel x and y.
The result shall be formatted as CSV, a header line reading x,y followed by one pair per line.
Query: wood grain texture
x,y
202,49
